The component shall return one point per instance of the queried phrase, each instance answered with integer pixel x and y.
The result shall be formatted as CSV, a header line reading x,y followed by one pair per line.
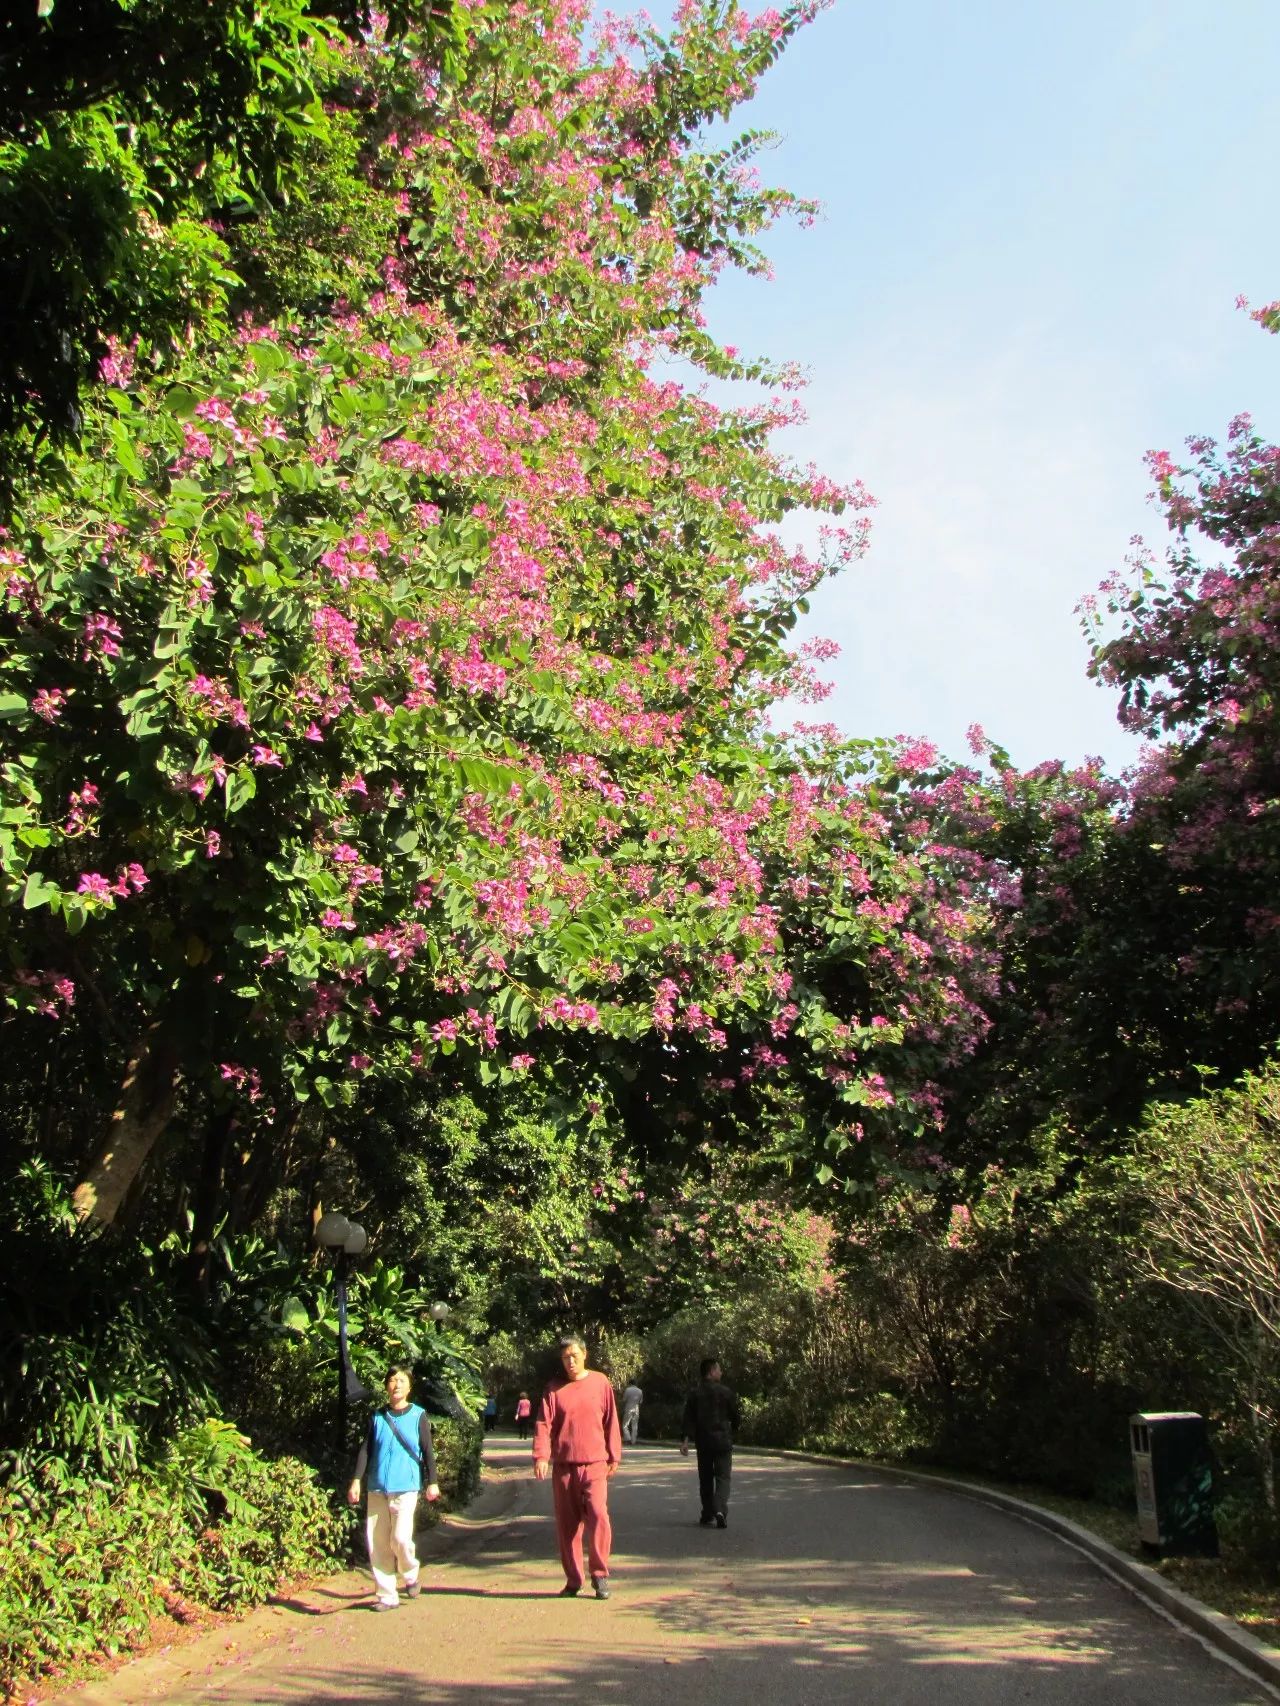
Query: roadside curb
x,y
1218,1630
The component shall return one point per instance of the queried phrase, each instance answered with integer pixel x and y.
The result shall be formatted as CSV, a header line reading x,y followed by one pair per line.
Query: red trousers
x,y
581,1500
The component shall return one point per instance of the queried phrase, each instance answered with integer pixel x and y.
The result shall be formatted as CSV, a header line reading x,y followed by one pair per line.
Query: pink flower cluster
x,y
216,699
130,880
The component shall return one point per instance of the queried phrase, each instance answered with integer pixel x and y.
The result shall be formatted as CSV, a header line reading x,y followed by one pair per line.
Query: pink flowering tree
x,y
1130,919
384,688
1195,660
1070,939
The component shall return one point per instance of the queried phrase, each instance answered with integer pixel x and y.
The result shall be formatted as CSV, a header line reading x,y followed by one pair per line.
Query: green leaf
x,y
38,891
240,787
181,402
294,1316
267,357
126,453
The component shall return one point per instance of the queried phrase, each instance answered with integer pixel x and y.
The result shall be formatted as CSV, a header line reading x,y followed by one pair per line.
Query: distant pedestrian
x,y
398,1460
524,1415
490,1411
710,1416
632,1398
577,1445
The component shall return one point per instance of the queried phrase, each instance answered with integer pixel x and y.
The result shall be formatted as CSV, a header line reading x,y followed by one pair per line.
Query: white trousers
x,y
631,1426
389,1532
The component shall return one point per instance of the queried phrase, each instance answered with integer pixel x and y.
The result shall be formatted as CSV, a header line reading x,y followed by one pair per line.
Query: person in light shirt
x,y
632,1398
398,1458
577,1446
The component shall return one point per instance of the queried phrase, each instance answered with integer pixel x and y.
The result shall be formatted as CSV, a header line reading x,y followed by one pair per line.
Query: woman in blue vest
x,y
399,1461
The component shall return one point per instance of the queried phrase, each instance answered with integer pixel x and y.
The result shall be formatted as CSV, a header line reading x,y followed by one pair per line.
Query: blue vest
x,y
391,1468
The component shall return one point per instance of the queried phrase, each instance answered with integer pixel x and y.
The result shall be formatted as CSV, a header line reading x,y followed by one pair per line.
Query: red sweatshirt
x,y
578,1422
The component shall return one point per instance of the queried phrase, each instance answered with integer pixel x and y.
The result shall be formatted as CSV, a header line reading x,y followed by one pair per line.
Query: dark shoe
x,y
413,1590
568,1591
601,1585
705,1520
722,1520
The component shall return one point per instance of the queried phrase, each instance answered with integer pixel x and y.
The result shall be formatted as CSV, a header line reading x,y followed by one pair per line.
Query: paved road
x,y
828,1586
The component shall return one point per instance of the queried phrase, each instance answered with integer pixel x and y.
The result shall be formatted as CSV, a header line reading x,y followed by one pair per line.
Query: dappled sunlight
x,y
938,1615
825,1588
582,1661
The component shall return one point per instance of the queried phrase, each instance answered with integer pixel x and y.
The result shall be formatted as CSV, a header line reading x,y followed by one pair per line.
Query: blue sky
x,y
1036,220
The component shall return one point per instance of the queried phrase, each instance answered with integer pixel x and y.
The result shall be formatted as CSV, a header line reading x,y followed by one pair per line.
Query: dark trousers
x,y
715,1470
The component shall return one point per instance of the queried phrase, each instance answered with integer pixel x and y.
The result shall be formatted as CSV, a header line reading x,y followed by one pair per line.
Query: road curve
x,y
829,1585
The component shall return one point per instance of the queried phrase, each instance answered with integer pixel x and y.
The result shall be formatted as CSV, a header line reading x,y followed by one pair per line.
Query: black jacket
x,y
711,1414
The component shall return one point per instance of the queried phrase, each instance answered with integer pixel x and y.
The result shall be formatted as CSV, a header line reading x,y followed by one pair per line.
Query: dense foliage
x,y
135,137
88,1565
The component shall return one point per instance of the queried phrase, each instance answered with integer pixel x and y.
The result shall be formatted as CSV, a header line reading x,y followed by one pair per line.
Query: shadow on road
x,y
825,1590
800,1632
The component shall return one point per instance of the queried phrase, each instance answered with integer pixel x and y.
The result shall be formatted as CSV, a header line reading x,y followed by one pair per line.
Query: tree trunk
x,y
204,1219
144,1108
262,1170
1267,1464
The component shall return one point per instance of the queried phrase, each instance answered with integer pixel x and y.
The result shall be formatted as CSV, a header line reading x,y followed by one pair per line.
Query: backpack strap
x,y
408,1446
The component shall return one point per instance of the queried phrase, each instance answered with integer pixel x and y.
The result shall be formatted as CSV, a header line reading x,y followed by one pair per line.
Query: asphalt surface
x,y
829,1585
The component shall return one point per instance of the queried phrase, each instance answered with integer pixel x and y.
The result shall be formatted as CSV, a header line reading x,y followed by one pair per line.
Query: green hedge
x,y
866,1424
85,1567
458,1447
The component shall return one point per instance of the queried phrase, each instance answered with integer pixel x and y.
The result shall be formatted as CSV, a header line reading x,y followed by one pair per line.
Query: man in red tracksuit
x,y
577,1444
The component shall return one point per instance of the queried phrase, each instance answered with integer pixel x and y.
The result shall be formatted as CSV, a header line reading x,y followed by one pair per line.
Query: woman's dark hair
x,y
397,1368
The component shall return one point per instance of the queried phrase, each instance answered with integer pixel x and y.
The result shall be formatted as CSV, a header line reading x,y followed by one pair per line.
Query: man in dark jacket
x,y
710,1416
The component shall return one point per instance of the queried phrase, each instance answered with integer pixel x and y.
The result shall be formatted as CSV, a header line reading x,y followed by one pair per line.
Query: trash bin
x,y
1173,1478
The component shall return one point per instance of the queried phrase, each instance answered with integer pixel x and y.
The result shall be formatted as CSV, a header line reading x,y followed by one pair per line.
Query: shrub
x,y
872,1424
1246,1526
458,1449
660,1418
265,1522
85,1566
96,1587
99,1361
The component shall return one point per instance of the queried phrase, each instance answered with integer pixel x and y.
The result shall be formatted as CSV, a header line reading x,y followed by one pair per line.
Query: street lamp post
x,y
342,1238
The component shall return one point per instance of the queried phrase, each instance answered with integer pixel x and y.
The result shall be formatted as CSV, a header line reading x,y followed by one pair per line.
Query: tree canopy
x,y
386,684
